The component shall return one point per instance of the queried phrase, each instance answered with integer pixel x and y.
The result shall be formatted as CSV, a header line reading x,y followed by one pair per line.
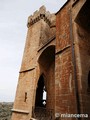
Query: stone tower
x,y
38,65
55,71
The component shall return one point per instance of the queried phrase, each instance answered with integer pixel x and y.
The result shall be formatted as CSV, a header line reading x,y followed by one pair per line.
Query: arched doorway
x,y
45,92
47,66
83,17
83,39
40,93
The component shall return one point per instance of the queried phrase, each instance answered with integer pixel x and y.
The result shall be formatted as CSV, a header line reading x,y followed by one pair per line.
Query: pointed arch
x,y
39,102
83,17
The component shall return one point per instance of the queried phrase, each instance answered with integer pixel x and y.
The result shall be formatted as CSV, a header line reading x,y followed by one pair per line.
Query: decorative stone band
x,y
38,15
20,111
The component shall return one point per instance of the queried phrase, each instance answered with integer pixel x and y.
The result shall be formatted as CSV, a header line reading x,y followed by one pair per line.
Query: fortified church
x,y
54,78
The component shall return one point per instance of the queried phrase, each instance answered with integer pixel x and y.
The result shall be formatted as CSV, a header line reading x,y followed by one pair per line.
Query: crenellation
x,y
48,15
38,15
29,20
42,9
53,20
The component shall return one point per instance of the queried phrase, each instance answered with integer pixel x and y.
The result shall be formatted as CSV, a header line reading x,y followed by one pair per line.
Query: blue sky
x,y
13,31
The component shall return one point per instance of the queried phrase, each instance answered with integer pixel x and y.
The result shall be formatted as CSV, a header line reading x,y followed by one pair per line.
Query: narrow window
x,y
44,96
25,97
88,82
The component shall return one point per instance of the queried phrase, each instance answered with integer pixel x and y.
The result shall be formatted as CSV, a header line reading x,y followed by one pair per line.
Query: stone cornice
x,y
38,15
20,111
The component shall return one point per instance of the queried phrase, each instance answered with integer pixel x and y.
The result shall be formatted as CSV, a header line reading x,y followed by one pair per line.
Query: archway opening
x,y
83,41
47,66
45,93
40,93
83,17
47,57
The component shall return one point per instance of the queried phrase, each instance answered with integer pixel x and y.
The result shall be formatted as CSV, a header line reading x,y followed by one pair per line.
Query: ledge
x,y
27,70
62,50
20,111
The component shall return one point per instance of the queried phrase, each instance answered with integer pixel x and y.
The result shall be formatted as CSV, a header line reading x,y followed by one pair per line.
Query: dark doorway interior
x,y
83,17
40,93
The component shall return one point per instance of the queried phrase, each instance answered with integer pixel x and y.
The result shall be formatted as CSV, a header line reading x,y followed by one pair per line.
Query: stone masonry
x,y
56,60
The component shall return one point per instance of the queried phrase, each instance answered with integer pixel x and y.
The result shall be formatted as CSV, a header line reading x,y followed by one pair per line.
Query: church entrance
x,y
45,92
40,93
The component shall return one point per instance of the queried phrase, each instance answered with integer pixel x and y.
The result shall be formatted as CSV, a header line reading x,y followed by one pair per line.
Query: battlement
x,y
38,15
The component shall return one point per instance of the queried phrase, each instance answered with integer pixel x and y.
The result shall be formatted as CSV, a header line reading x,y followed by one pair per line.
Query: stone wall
x,y
64,66
41,27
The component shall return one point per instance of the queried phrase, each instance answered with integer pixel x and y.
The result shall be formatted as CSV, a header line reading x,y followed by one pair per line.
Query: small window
x,y
25,99
44,96
88,82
